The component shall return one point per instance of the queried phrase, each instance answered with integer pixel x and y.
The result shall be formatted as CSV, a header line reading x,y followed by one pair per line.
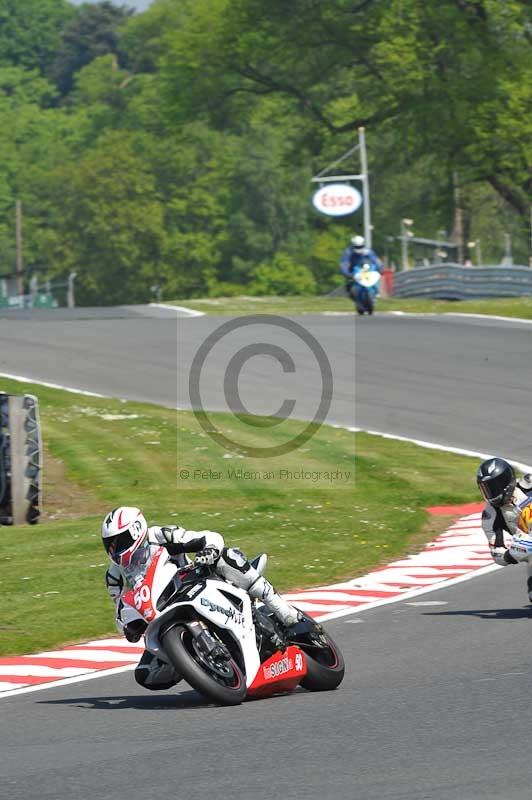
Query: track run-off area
x,y
433,695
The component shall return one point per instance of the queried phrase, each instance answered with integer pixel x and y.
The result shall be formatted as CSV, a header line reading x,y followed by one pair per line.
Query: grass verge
x,y
361,504
500,306
236,306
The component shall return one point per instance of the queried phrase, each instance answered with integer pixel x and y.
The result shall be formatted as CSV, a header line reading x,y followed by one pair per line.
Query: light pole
x,y
18,245
478,253
71,302
365,186
507,260
530,254
405,236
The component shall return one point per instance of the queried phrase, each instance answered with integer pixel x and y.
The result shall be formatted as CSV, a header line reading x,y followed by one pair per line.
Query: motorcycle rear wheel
x,y
228,690
325,664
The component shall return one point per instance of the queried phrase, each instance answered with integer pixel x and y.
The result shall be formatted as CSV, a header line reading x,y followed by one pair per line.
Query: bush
x,y
283,276
324,257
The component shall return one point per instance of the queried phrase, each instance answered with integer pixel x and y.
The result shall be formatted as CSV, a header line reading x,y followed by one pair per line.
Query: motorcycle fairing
x,y
280,673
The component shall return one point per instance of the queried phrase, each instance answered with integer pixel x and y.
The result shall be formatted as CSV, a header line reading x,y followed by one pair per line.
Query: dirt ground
x,y
61,498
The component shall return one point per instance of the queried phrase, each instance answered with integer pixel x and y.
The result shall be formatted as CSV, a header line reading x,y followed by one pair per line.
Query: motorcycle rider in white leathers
x,y
125,533
505,499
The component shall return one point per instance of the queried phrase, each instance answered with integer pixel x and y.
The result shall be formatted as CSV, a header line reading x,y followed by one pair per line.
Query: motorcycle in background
x,y
521,547
363,289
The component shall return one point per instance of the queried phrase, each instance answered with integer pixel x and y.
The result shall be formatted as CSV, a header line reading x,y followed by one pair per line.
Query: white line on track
x,y
66,681
188,311
458,314
446,448
414,593
24,379
333,615
322,617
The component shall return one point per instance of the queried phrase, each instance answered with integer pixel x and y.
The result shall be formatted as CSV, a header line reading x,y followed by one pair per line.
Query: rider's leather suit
x,y
500,525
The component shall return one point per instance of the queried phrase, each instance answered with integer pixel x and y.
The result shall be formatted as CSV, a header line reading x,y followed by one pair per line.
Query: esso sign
x,y
337,199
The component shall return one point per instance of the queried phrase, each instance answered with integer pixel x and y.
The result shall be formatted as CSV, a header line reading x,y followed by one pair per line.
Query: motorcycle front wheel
x,y
364,302
218,678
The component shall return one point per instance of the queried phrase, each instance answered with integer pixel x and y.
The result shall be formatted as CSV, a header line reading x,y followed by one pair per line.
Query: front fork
x,y
205,644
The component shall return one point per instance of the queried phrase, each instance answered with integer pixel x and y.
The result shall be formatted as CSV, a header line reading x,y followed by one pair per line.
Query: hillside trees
x,y
108,223
30,31
175,147
450,79
94,31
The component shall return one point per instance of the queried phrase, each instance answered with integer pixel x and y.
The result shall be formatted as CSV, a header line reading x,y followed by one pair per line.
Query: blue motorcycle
x,y
363,288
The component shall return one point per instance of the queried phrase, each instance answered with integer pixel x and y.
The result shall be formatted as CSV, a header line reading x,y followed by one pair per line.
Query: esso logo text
x,y
337,199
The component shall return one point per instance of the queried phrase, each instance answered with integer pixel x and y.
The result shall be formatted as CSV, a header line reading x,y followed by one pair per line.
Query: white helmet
x,y
358,242
124,530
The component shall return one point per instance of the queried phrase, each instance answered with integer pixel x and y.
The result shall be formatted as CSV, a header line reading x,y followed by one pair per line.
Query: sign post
x,y
340,198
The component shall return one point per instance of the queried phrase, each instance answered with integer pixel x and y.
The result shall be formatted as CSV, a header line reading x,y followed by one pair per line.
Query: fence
x,y
455,282
47,295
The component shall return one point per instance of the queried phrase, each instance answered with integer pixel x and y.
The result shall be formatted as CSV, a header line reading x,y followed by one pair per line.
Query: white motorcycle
x,y
224,645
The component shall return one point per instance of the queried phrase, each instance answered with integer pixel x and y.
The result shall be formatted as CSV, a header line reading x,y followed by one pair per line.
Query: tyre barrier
x,y
20,460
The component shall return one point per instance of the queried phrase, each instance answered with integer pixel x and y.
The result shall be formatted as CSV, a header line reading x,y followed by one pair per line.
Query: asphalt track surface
x,y
146,353
435,698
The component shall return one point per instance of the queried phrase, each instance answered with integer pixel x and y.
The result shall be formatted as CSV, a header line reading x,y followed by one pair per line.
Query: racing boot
x,y
261,589
529,587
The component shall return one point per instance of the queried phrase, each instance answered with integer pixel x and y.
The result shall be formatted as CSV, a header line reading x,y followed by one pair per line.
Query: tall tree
x,y
109,222
427,67
93,32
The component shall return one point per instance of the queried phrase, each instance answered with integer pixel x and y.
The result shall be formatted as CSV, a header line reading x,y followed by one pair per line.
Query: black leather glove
x,y
207,557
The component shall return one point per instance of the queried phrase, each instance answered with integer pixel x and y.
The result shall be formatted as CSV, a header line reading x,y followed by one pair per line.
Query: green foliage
x,y
283,276
324,256
111,223
92,33
175,147
30,31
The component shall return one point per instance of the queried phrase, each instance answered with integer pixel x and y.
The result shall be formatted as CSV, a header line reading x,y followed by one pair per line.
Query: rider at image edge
x,y
362,269
125,534
507,515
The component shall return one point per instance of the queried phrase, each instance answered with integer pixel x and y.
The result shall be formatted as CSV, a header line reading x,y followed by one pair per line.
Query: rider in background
x,y
129,541
503,515
357,257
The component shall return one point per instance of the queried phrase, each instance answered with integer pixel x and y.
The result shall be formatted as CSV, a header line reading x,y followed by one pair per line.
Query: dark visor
x,y
118,544
494,488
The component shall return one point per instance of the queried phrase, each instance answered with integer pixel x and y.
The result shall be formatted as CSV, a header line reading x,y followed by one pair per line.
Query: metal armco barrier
x,y
455,282
20,460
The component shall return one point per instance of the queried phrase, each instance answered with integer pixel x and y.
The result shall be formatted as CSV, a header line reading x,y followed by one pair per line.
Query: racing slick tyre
x,y
325,662
216,676
324,671
365,303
